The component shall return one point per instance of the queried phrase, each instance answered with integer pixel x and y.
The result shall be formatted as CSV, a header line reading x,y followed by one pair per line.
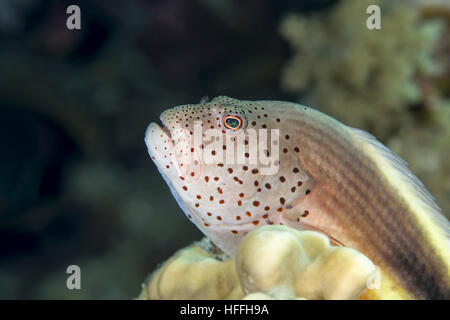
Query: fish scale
x,y
325,177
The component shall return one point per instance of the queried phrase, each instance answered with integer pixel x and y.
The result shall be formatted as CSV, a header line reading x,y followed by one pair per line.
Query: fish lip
x,y
149,139
164,126
166,131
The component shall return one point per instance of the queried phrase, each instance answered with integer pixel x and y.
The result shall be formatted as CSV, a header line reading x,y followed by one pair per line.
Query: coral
x,y
262,296
287,263
257,296
359,75
194,273
272,262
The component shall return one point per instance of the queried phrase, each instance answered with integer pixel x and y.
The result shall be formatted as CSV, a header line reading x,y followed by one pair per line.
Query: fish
x,y
308,171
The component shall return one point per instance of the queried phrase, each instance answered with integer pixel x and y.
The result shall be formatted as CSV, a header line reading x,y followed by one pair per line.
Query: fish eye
x,y
233,122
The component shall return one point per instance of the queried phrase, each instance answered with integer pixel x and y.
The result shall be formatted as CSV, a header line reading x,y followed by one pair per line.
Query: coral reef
x,y
355,74
76,183
194,273
272,262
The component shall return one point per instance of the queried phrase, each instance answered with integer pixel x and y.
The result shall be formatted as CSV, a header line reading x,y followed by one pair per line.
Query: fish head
x,y
230,165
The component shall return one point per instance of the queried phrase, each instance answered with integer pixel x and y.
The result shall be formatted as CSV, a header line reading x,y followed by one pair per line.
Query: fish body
x,y
308,171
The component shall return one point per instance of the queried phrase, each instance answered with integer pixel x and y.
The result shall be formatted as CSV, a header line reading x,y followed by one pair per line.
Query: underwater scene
x,y
224,149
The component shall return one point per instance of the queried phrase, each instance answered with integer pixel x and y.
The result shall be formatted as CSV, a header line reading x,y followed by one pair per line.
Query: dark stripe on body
x,y
381,221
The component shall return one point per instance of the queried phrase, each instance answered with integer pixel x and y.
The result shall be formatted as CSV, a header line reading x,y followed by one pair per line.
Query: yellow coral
x,y
287,263
193,273
272,262
262,296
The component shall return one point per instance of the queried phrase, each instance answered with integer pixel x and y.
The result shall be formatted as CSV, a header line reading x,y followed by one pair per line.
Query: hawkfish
x,y
307,171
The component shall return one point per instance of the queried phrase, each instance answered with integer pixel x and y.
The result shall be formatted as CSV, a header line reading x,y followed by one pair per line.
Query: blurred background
x,y
76,183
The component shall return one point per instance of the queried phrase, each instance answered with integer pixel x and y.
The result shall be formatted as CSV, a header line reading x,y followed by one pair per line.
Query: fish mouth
x,y
165,129
153,130
161,126
158,139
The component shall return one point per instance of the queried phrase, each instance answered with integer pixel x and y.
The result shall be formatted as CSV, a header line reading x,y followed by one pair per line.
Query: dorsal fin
x,y
409,186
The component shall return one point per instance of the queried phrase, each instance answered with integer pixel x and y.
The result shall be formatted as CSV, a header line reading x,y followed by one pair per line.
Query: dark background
x,y
76,183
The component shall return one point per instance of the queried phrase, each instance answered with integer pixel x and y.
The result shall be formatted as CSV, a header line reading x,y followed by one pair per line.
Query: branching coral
x,y
355,74
272,262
